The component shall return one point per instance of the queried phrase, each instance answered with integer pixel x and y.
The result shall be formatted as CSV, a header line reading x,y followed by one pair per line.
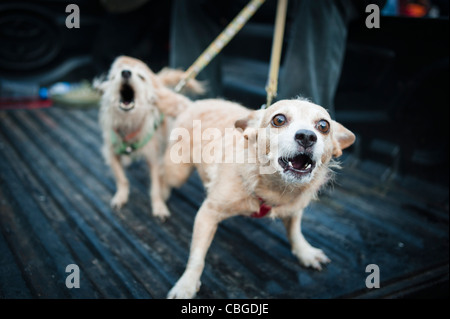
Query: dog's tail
x,y
171,77
170,102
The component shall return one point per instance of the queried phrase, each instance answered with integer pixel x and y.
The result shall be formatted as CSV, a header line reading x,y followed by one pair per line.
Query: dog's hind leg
x,y
177,169
159,191
177,174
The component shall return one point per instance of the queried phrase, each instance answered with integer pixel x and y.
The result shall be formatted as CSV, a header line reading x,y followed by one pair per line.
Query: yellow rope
x,y
230,31
220,42
277,45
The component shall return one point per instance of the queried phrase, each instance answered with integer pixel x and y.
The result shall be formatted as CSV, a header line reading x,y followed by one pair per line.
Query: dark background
x,y
393,90
389,205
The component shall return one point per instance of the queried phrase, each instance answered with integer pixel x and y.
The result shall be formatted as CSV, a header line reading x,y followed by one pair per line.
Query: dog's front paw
x,y
312,257
161,211
119,199
184,289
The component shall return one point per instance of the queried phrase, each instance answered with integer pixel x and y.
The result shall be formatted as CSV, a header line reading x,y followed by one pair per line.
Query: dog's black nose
x,y
126,74
305,138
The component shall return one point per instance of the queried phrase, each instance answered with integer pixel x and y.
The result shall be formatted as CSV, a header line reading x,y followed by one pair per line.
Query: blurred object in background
x,y
417,8
74,95
390,8
24,95
38,50
29,95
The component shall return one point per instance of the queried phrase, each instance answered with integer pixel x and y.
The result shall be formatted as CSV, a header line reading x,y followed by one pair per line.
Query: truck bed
x,y
55,191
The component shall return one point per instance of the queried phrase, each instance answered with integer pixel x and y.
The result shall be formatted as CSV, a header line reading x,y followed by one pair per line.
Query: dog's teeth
x,y
127,106
308,166
290,164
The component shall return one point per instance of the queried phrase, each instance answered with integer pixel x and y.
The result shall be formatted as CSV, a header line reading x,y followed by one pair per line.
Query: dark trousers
x,y
313,57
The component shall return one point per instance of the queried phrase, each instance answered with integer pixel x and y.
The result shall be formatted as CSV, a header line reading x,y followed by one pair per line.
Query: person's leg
x,y
315,52
192,30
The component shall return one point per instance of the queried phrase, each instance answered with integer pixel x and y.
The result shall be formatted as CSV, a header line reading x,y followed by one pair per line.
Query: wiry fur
x,y
235,188
148,99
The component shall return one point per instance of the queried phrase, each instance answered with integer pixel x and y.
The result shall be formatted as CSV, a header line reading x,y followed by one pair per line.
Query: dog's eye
x,y
323,126
279,120
141,77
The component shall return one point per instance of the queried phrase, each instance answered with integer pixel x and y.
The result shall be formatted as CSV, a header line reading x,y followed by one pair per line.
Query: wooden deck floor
x,y
54,211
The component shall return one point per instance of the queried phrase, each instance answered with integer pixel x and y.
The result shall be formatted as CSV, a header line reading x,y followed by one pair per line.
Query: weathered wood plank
x,y
55,192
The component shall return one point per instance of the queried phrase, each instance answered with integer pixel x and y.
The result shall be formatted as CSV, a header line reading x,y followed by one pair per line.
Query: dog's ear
x,y
342,138
249,125
155,80
156,88
100,83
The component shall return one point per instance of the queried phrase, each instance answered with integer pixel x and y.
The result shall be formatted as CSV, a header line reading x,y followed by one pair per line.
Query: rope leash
x,y
230,31
220,42
275,56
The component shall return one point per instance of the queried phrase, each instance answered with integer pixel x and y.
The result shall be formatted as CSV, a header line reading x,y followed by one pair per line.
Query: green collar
x,y
121,147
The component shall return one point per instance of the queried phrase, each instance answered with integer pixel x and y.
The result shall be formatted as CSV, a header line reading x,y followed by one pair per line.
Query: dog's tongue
x,y
299,162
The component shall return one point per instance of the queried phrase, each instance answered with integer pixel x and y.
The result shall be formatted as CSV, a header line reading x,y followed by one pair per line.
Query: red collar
x,y
263,209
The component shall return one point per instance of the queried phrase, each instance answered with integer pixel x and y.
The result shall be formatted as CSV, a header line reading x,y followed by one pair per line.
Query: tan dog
x,y
135,112
278,178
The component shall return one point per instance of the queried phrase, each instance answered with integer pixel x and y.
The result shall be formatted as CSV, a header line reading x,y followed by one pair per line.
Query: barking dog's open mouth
x,y
126,97
300,164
